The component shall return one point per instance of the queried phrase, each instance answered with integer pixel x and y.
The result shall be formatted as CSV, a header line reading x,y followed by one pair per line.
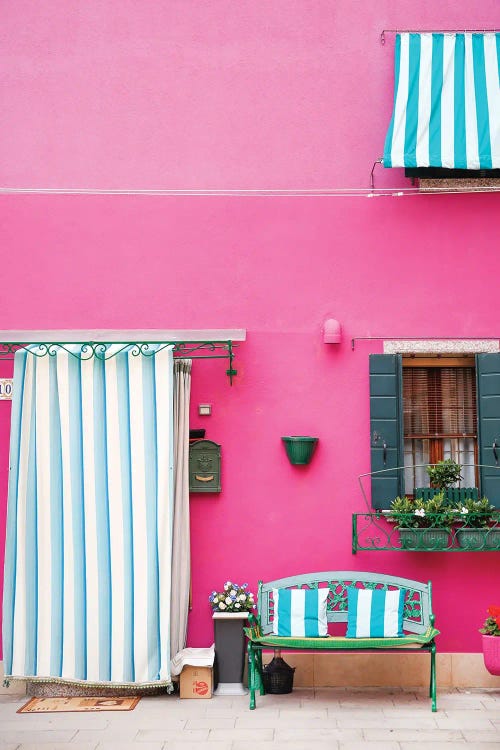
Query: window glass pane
x,y
461,450
467,459
439,401
416,451
440,420
457,391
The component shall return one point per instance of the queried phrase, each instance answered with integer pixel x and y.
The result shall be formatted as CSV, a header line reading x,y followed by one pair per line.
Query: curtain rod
x,y
103,350
436,31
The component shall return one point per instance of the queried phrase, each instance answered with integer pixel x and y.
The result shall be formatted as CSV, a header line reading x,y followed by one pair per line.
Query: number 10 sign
x,y
5,389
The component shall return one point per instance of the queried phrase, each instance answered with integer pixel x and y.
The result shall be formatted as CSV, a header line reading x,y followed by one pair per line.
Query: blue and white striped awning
x,y
446,102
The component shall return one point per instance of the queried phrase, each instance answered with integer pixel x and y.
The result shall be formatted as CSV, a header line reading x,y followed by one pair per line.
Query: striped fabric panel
x,y
446,102
87,584
300,612
374,613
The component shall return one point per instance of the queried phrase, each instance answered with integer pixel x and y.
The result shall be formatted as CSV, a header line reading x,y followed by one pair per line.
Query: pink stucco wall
x,y
244,95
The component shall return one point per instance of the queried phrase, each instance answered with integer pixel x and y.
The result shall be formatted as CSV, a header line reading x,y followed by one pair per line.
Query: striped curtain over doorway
x,y
89,526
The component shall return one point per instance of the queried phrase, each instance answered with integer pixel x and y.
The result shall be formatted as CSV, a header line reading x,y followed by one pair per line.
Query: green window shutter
x,y
386,427
488,424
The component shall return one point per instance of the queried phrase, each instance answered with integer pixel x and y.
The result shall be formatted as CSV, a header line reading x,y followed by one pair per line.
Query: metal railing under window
x,y
458,527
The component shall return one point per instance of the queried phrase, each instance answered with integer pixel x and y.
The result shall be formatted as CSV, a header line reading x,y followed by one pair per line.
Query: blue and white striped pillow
x,y
300,612
374,613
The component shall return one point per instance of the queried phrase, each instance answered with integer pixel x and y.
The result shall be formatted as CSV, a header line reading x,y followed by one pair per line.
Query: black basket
x,y
277,677
197,434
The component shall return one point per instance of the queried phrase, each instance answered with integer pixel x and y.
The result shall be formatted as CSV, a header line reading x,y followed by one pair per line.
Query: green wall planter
x,y
424,539
299,448
479,538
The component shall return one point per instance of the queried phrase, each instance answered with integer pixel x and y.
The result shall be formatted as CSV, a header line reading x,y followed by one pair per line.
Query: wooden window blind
x,y
439,402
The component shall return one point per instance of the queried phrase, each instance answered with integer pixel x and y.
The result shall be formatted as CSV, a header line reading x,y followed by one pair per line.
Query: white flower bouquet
x,y
234,598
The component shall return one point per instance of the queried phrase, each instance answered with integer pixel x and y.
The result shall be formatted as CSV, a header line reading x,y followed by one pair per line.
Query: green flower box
x,y
479,538
425,540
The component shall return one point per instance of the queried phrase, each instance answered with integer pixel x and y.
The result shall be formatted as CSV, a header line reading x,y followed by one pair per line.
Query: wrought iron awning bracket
x,y
101,349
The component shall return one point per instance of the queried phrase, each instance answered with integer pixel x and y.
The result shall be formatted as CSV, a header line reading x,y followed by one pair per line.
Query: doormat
x,y
50,705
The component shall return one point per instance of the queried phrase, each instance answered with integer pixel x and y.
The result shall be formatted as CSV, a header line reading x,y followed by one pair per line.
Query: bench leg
x,y
251,675
259,671
432,686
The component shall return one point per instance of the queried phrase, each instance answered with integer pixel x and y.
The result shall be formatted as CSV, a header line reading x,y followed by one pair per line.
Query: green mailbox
x,y
204,466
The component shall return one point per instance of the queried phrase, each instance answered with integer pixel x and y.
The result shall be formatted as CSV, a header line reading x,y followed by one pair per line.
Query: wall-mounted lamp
x,y
204,410
332,331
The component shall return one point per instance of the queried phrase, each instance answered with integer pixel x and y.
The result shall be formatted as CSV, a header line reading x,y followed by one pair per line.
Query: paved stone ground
x,y
307,719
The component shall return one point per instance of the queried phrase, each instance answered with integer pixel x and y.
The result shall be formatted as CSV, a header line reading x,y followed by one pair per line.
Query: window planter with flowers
x,y
422,524
479,528
491,641
443,518
419,525
230,608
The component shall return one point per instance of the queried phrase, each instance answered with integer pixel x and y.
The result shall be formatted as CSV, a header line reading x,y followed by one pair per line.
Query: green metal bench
x,y
418,621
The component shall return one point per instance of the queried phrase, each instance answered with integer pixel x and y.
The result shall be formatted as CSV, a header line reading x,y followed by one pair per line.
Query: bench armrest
x,y
254,623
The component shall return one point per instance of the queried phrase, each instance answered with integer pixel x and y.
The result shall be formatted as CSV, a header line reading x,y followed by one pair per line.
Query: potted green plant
x,y
443,477
444,474
423,524
491,640
230,608
479,524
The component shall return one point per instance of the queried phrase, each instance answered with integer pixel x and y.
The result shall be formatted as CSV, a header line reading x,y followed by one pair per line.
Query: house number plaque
x,y
5,389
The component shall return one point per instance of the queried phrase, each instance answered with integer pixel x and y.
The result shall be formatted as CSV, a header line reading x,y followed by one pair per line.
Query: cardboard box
x,y
196,682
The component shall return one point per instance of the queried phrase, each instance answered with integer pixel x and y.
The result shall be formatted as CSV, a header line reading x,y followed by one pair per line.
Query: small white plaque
x,y
5,389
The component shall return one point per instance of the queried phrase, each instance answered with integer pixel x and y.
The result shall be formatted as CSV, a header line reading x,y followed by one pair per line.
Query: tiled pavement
x,y
326,719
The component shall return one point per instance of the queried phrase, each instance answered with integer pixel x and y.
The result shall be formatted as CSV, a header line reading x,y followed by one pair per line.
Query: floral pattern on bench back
x,y
417,607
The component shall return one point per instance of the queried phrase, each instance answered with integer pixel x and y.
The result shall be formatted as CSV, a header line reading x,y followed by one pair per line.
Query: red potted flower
x,y
491,641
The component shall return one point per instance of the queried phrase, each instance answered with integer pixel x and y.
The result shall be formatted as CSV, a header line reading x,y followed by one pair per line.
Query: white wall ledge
x,y
441,346
75,336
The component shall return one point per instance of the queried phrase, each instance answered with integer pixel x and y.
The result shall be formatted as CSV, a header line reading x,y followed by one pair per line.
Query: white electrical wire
x,y
257,193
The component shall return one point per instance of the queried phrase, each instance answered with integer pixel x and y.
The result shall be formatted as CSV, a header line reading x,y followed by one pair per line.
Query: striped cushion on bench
x,y
375,613
300,612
